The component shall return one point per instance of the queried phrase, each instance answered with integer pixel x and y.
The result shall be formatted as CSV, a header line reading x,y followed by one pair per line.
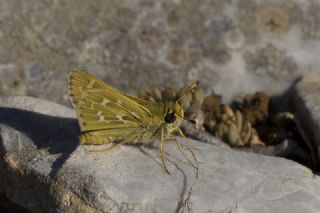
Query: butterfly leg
x,y
162,143
183,152
187,140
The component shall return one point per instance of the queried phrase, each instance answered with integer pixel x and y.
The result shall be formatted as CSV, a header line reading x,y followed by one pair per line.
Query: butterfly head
x,y
173,116
175,113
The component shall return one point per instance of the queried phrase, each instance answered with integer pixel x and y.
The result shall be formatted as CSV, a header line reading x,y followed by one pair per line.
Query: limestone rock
x,y
43,169
229,46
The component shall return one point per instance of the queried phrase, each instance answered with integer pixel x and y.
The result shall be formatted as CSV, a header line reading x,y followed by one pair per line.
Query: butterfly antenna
x,y
191,87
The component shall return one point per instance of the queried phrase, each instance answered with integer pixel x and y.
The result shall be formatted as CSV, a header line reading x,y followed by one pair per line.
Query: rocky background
x,y
233,47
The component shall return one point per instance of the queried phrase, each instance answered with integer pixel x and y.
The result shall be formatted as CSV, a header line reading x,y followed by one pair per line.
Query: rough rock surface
x,y
307,112
44,169
233,47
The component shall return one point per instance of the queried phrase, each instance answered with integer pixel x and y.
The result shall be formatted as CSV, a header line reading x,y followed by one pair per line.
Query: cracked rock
x,y
44,169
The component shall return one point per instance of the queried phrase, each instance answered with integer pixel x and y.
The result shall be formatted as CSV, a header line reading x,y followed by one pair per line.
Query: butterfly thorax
x,y
166,119
173,116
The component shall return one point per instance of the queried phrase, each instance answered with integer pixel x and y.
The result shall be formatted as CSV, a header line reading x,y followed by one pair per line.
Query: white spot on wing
x,y
120,118
91,83
105,102
101,118
135,115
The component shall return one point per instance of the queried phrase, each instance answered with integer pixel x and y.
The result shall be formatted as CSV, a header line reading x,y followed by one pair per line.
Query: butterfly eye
x,y
170,117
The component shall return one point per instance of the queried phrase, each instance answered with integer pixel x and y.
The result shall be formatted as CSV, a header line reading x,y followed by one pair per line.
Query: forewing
x,y
104,113
101,109
157,109
81,81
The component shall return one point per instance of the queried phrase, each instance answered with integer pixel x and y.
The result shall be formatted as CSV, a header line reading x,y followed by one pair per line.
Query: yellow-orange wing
x,y
104,113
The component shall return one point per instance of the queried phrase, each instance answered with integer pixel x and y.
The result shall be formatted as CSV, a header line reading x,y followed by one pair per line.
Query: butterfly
x,y
107,115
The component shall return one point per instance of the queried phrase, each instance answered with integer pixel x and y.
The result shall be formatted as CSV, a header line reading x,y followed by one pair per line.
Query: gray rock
x,y
43,169
231,47
307,112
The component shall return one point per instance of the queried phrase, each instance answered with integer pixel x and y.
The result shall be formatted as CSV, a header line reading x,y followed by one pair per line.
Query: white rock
x,y
44,169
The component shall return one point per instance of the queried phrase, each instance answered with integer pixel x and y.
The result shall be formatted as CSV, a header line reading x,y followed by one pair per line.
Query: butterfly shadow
x,y
58,135
183,192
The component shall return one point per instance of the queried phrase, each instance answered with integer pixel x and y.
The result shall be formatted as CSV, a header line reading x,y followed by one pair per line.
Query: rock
x,y
43,169
307,113
139,43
